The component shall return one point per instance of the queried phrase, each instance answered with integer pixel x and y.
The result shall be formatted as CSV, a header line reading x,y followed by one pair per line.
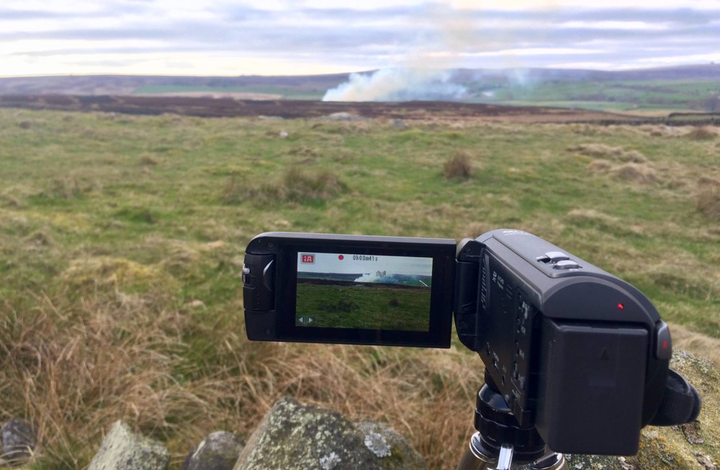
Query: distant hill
x,y
130,84
684,72
679,88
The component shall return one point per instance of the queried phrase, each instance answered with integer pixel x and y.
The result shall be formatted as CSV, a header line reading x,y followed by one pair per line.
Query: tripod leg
x,y
474,458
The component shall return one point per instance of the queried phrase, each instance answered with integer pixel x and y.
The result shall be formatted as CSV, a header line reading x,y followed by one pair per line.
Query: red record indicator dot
x,y
341,257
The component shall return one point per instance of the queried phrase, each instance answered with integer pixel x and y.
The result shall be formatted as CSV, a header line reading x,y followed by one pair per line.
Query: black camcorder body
x,y
576,352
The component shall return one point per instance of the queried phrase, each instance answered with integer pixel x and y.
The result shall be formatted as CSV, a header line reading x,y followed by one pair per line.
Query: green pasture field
x,y
287,93
610,95
373,308
122,242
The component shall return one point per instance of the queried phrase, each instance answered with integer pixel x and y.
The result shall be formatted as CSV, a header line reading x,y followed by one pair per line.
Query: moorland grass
x,y
121,245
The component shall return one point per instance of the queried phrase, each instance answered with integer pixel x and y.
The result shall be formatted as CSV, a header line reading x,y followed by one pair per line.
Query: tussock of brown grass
x,y
688,340
148,161
708,201
609,152
705,181
640,173
39,239
296,185
636,173
90,273
599,166
303,151
702,133
475,229
68,187
459,166
600,220
77,367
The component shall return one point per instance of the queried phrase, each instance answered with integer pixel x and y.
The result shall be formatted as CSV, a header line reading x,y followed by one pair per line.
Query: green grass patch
x,y
364,307
122,242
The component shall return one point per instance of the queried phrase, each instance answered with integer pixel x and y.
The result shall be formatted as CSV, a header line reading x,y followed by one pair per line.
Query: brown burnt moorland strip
x,y
289,109
306,109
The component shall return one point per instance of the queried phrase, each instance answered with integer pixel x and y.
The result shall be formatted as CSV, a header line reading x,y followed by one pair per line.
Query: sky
x,y
284,37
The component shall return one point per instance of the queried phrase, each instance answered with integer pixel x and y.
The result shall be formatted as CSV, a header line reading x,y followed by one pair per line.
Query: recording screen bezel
x,y
442,252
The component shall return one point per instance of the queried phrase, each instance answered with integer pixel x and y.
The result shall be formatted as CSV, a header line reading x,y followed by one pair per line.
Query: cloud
x,y
349,38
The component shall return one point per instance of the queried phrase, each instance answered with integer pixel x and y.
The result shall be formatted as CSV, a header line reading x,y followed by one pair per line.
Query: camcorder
x,y
575,358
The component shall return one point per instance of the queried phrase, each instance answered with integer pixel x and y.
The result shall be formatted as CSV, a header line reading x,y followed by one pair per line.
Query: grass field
x,y
667,95
670,95
286,92
121,245
374,308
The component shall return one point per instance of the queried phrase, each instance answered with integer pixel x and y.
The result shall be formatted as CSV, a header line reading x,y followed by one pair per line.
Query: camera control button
x,y
555,256
663,348
566,264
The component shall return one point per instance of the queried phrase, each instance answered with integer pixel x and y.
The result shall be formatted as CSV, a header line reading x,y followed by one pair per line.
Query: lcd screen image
x,y
336,290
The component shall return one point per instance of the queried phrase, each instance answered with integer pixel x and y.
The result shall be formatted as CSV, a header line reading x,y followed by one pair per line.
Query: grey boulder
x,y
18,442
122,449
297,437
218,451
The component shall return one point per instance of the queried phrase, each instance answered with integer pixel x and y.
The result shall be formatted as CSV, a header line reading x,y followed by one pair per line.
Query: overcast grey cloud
x,y
158,36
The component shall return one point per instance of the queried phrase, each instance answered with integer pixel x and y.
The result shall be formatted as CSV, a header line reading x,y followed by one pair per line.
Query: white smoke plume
x,y
398,84
368,277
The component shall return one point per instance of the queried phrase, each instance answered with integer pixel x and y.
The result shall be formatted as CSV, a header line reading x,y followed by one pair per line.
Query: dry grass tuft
x,y
688,340
148,161
609,152
68,187
599,166
591,216
707,181
303,151
296,185
301,185
637,173
76,367
39,239
89,274
702,133
475,229
708,201
459,166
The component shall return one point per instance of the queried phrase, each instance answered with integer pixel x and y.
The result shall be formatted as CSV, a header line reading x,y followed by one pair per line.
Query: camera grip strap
x,y
681,402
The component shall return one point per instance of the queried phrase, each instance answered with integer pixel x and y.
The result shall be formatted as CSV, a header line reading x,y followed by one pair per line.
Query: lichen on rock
x,y
294,437
218,451
122,449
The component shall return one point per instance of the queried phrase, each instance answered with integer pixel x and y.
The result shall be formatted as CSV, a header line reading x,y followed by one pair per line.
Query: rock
x,y
122,449
343,116
219,451
284,134
706,461
399,124
592,462
294,436
18,442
